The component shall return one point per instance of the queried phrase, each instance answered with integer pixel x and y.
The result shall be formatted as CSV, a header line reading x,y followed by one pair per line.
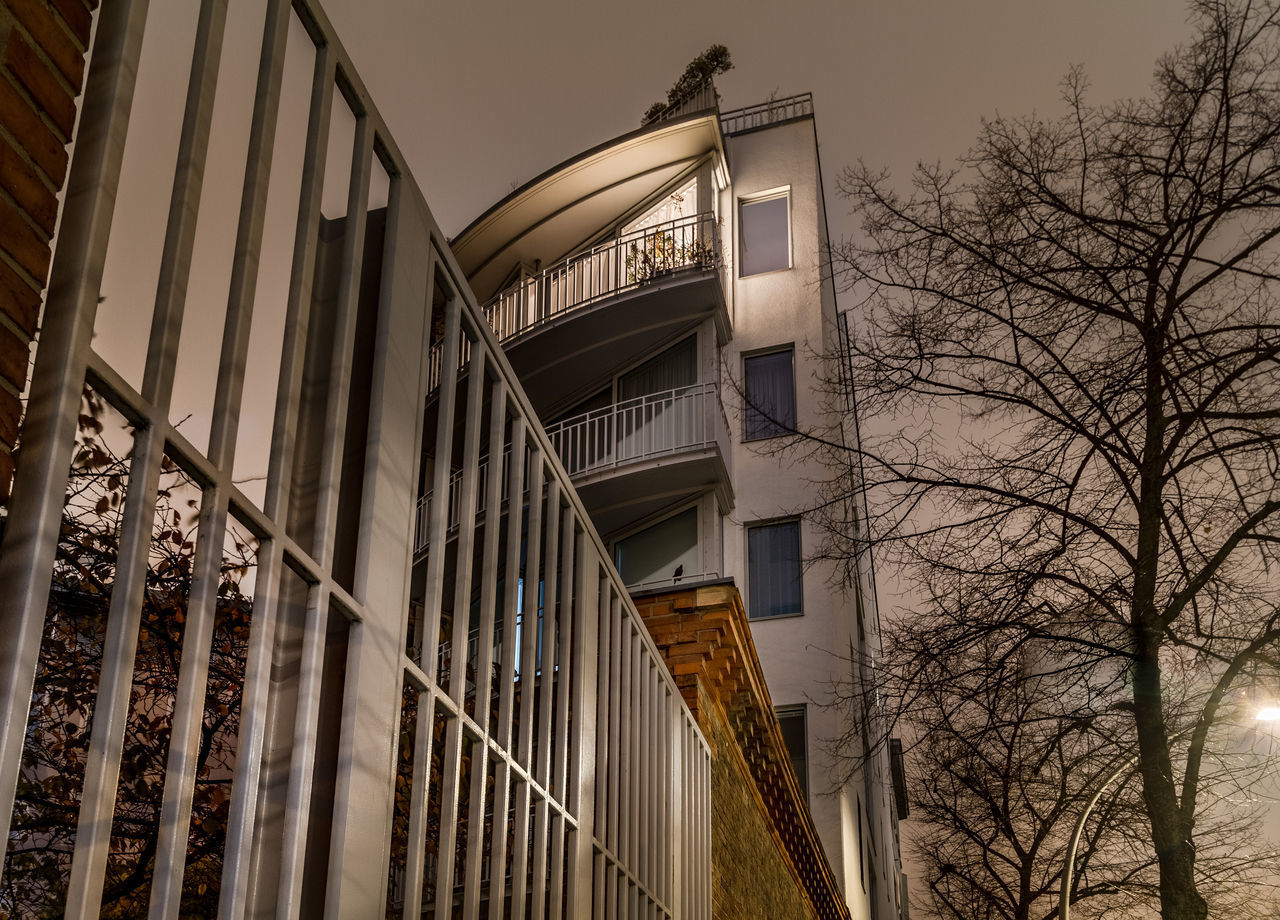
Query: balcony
x,y
634,457
610,287
664,445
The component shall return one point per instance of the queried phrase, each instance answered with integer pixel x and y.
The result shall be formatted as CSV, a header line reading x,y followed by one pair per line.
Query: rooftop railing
x,y
641,257
767,113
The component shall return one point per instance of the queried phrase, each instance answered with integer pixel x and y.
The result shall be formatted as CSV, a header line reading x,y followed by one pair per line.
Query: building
x,y
248,666
661,299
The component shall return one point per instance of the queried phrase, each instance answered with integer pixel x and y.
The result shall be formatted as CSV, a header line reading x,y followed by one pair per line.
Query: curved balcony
x,y
634,457
664,445
679,258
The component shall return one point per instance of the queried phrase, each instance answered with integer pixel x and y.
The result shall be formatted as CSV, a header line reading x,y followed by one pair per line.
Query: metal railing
x,y
767,113
683,419
633,260
671,422
703,98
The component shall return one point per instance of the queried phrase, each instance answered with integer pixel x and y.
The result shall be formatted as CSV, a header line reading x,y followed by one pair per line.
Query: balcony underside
x,y
621,496
566,358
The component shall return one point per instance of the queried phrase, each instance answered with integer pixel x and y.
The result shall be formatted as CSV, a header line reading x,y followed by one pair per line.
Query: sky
x,y
482,96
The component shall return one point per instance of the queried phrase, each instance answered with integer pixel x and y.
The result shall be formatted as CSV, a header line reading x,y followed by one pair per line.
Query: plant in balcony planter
x,y
652,257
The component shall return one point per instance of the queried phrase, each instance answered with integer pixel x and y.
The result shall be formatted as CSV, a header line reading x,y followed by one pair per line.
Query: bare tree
x,y
1074,340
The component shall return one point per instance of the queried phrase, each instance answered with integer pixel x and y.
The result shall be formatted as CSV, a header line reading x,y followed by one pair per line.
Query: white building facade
x,y
661,297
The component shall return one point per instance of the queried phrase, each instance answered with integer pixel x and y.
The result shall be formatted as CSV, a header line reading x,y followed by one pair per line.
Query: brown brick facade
x,y
42,62
766,859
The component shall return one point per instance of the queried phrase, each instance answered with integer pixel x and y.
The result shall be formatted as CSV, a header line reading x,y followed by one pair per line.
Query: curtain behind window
x,y
773,569
675,367
771,396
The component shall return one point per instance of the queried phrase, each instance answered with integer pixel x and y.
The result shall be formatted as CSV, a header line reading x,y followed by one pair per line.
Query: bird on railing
x,y
678,573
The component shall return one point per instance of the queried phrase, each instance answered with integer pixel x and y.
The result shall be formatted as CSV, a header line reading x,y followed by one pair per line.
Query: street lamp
x,y
1068,870
1264,714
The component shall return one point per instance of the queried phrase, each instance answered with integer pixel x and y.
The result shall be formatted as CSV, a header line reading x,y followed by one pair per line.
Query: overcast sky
x,y
482,96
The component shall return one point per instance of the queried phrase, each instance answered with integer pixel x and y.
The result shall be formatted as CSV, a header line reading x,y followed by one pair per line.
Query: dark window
x,y
764,235
770,409
773,569
792,722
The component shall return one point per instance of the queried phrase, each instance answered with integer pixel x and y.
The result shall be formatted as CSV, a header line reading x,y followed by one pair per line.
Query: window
x,y
764,234
773,570
682,202
791,719
769,381
676,367
667,551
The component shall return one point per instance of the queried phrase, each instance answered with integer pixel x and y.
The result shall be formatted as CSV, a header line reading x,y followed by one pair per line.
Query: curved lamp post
x,y
1266,714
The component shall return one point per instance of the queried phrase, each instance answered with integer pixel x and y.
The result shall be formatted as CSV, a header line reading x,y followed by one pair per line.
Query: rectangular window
x,y
791,719
773,570
764,234
770,391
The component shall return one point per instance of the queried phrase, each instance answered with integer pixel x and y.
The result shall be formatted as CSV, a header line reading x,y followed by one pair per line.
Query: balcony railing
x,y
631,261
679,420
766,113
673,422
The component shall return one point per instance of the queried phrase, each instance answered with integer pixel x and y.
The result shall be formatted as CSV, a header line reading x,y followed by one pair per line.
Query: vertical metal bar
x,y
237,868
541,821
676,809
546,666
489,565
335,421
515,502
302,753
437,526
647,802
48,432
449,779
585,776
622,847
604,689
498,848
570,624
301,278
520,853
618,692
635,753
465,542
528,637
475,830
555,904
416,852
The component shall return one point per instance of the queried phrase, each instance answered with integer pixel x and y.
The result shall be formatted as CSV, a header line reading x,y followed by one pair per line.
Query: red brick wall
x,y
42,62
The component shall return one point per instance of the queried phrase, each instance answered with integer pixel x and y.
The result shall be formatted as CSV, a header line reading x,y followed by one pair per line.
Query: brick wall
x,y
750,879
766,859
42,62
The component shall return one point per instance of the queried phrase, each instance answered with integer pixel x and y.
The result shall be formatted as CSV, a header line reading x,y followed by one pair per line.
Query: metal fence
x,y
225,689
767,113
